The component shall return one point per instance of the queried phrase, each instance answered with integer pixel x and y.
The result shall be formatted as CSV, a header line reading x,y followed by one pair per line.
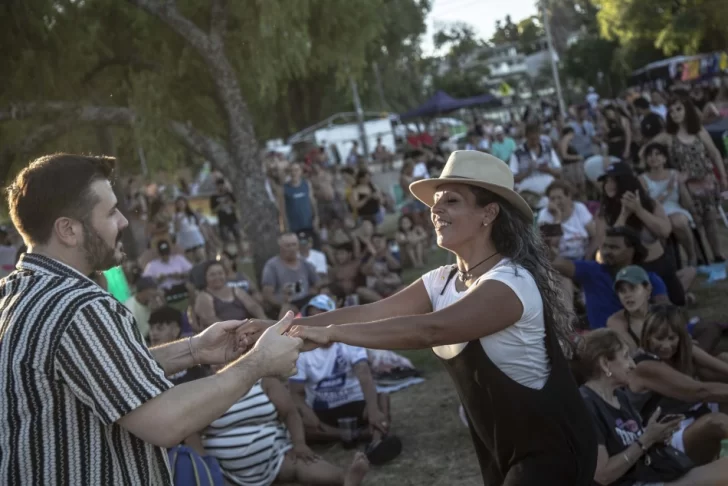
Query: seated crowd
x,y
626,249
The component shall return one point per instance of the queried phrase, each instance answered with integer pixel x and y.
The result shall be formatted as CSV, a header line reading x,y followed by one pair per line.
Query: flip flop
x,y
384,451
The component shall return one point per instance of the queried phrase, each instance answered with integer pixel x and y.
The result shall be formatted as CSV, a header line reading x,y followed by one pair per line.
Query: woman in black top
x,y
623,442
619,133
365,198
524,433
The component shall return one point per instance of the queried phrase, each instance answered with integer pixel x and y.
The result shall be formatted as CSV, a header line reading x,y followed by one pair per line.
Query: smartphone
x,y
670,417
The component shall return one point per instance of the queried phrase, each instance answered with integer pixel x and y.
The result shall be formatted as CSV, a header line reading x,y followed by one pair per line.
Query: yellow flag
x,y
505,89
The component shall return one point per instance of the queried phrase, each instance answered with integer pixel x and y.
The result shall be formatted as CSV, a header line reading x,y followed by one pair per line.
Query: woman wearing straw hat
x,y
495,320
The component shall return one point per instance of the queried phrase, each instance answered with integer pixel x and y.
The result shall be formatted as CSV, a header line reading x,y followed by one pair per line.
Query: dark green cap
x,y
633,274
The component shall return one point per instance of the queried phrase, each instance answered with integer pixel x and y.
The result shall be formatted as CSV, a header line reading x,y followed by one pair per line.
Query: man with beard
x,y
83,400
621,247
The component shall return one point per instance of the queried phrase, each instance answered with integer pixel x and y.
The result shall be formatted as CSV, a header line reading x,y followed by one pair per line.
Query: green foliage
x,y
506,32
593,61
673,26
460,71
293,60
530,35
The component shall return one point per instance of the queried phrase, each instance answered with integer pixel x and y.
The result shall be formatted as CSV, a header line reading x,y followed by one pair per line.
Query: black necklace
x,y
466,275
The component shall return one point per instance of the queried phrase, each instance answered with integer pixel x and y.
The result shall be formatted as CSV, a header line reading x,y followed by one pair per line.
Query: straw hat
x,y
476,169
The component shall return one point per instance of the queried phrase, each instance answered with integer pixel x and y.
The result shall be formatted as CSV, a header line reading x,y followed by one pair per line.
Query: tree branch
x,y
168,13
21,110
199,143
73,114
132,61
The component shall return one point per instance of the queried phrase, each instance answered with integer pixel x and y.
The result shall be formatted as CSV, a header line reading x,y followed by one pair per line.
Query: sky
x,y
481,14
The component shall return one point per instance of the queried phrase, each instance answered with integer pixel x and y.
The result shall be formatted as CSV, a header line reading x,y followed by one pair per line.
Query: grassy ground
x,y
437,449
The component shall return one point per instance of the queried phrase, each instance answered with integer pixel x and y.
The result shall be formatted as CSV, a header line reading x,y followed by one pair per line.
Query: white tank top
x,y
519,350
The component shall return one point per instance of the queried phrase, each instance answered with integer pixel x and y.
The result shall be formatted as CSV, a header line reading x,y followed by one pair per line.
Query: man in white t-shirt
x,y
578,240
535,164
335,382
314,257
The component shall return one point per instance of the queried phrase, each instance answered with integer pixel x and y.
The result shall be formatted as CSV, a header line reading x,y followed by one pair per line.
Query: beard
x,y
99,255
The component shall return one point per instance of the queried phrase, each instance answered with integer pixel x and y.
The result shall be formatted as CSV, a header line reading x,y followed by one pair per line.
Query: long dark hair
x,y
188,210
515,237
668,316
610,207
692,117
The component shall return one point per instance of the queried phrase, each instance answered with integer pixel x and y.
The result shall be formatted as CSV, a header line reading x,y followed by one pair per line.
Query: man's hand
x,y
279,352
219,344
252,329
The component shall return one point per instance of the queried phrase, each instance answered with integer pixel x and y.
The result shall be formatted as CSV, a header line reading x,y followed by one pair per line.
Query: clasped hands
x,y
226,341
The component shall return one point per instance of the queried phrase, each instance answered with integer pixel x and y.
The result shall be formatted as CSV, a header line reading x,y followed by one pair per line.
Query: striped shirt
x,y
72,362
249,441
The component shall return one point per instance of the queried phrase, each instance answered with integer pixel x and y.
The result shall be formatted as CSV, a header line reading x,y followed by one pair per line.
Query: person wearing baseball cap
x,y
617,169
502,145
334,383
632,286
621,247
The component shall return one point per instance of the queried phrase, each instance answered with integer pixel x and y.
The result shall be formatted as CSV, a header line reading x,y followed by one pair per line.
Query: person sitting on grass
x,y
335,382
260,440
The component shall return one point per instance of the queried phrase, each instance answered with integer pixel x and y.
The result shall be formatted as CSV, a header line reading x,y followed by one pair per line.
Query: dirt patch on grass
x,y
436,445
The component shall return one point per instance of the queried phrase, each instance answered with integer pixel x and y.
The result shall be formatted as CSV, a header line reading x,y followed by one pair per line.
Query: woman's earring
x,y
609,373
485,224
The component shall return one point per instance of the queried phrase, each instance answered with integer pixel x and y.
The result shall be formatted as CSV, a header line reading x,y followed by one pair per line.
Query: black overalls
x,y
524,436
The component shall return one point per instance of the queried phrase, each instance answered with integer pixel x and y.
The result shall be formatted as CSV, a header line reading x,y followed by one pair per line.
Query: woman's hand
x,y
657,431
631,201
320,336
304,453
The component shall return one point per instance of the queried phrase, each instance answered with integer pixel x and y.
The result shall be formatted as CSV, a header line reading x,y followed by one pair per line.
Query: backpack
x,y
191,469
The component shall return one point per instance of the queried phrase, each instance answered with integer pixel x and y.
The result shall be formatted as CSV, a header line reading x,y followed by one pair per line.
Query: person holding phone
x,y
497,322
628,451
666,377
288,280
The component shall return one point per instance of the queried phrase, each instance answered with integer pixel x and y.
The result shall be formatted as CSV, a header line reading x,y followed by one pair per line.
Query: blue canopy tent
x,y
442,102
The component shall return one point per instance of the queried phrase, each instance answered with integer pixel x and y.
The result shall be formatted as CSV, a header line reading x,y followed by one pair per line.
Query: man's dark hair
x,y
533,127
55,186
641,103
632,240
165,314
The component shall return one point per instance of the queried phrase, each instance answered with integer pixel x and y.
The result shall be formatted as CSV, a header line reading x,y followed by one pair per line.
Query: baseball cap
x,y
498,130
651,125
164,248
617,169
320,302
633,274
303,238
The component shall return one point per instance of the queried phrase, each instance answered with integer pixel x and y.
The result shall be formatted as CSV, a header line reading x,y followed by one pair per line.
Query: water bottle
x,y
724,448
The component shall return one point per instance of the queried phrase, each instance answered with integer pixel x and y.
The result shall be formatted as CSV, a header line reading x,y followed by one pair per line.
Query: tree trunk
x,y
242,164
105,139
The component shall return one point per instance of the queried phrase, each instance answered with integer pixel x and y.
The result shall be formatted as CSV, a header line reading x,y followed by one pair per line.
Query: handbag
x,y
668,463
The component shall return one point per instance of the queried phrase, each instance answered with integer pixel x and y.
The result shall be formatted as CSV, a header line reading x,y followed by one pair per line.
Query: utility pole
x,y
552,54
359,118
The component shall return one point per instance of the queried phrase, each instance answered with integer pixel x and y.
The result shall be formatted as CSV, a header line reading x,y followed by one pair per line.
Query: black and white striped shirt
x,y
72,362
